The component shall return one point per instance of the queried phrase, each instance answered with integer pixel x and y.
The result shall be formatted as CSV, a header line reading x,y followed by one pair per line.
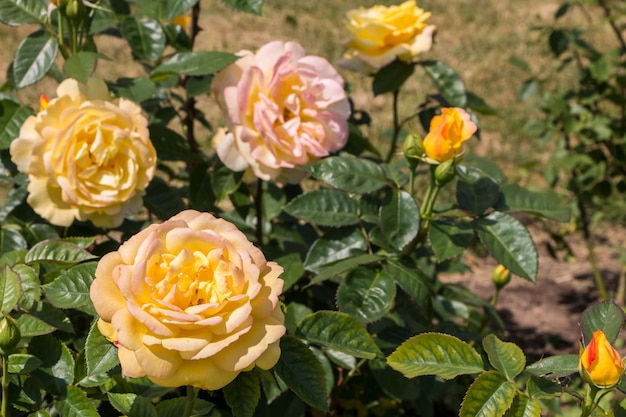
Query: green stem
x,y
192,393
426,211
396,125
5,387
258,203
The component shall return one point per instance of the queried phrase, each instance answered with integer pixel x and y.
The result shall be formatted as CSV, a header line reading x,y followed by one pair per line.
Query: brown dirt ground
x,y
543,318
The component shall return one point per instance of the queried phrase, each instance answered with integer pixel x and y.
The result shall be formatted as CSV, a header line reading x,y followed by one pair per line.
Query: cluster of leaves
x,y
364,303
584,122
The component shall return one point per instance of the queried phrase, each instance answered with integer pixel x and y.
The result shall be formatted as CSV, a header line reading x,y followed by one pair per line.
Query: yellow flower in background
x,y
190,302
447,133
182,21
87,157
600,364
381,34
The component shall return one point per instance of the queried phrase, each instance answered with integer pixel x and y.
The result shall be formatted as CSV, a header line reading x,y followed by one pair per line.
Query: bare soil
x,y
543,317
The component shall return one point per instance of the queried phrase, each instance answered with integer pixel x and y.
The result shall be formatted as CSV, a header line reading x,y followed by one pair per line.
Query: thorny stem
x,y
192,393
396,125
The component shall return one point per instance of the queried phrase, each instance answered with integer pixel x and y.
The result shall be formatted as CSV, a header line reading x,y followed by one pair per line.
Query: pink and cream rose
x,y
380,34
285,108
88,157
190,302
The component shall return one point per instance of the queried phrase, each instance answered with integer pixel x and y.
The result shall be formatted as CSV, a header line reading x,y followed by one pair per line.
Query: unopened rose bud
x,y
9,333
75,9
600,364
501,276
444,172
412,147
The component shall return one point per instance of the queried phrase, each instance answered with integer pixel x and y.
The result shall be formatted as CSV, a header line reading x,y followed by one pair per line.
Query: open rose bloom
x,y
381,34
190,302
285,109
448,131
87,157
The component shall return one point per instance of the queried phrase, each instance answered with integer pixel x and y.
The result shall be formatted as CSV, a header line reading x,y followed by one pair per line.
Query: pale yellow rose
x,y
381,34
87,157
190,302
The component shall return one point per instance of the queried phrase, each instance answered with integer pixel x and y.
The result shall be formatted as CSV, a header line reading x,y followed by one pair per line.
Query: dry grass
x,y
475,37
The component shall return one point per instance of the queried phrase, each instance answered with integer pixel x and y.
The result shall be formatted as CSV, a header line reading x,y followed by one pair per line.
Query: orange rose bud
x,y
181,20
43,102
600,364
447,133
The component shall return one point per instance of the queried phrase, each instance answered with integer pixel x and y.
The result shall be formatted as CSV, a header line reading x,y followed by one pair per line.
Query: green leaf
x,y
524,406
601,68
509,243
490,395
399,219
136,89
529,89
248,6
43,319
145,37
81,65
162,200
338,331
196,63
177,7
411,279
355,175
302,372
243,394
515,198
474,167
479,105
334,247
366,294
393,382
57,251
33,58
293,269
23,363
71,288
11,239
224,181
176,406
477,196
341,267
449,238
506,357
14,199
555,366
20,12
12,116
10,289
100,354
325,207
75,404
391,77
132,405
435,354
56,374
169,145
605,316
447,82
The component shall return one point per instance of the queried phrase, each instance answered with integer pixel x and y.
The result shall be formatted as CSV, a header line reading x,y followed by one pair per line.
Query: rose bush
x,y
190,302
285,109
87,157
447,133
381,34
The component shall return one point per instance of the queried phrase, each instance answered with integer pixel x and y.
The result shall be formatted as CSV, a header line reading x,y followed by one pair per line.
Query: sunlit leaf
x,y
248,6
10,289
20,12
490,395
33,58
399,219
515,198
100,353
324,207
435,354
333,247
605,316
196,63
57,251
449,238
75,404
12,116
145,37
447,82
132,405
243,394
71,288
366,294
524,406
355,175
555,366
506,357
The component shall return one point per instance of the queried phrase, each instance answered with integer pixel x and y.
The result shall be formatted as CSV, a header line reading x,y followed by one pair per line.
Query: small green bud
x,y
501,276
413,148
10,334
75,10
444,172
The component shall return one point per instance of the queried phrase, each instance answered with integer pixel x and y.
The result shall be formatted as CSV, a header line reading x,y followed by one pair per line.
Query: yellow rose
x,y
600,364
447,133
87,157
190,302
381,34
